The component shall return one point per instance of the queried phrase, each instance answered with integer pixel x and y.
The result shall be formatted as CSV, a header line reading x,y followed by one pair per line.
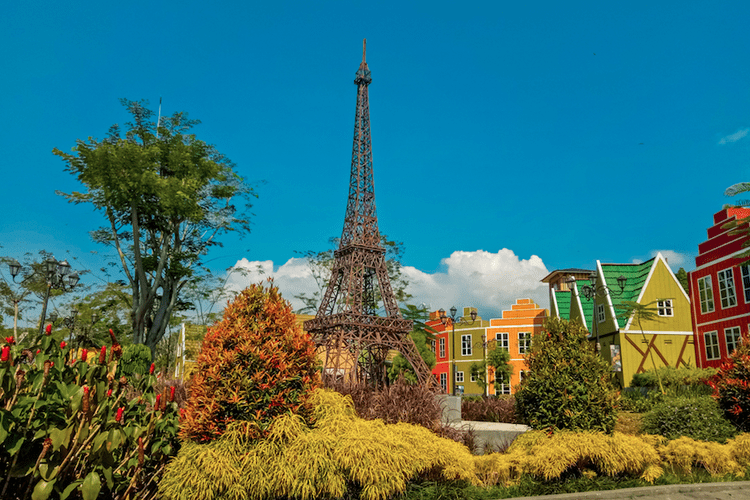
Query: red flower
x,y
84,354
63,344
103,355
112,336
38,351
158,401
171,394
5,356
10,340
151,370
109,392
48,330
118,418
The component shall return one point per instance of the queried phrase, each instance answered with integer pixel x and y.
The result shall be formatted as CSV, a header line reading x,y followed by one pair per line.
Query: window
x,y
706,293
521,375
502,340
524,342
502,384
732,336
444,382
726,288
460,377
665,307
746,282
712,345
432,345
600,313
442,348
473,377
465,345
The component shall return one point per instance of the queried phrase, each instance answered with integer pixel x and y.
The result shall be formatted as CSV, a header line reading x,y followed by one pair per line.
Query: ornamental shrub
x,y
568,385
335,454
699,418
674,378
256,364
732,386
69,430
489,409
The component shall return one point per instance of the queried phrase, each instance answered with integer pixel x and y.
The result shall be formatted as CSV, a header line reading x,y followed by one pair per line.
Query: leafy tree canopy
x,y
166,198
422,335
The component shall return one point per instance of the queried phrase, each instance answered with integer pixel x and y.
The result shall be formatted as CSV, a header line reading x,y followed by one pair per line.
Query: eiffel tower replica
x,y
347,328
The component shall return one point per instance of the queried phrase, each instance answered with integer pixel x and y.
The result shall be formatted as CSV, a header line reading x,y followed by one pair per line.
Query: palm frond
x,y
740,187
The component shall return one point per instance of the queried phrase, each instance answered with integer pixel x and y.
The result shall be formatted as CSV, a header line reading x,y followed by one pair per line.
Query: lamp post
x,y
15,268
597,290
461,321
58,276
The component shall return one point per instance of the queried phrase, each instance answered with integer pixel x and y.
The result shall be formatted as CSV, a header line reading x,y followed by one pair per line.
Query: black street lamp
x,y
59,277
461,321
597,290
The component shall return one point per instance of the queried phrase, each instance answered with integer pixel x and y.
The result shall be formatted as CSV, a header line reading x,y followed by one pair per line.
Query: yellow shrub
x,y
740,447
297,461
684,453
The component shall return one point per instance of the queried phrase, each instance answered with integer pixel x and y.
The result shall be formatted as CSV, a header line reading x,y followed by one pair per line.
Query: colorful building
x,y
629,345
514,332
720,289
456,353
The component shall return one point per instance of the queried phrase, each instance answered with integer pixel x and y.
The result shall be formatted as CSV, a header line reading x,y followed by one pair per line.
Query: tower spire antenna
x,y
364,50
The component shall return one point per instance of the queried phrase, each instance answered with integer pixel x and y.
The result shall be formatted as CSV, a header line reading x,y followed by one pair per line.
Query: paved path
x,y
735,490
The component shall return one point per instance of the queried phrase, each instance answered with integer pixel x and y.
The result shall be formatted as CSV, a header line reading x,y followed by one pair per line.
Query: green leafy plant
x,y
699,418
136,360
568,384
421,335
674,379
731,386
255,365
68,429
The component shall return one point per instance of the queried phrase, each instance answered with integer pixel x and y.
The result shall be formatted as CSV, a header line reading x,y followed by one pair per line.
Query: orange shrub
x,y
255,364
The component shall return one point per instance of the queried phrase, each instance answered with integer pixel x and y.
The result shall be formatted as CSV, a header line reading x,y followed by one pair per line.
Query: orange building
x,y
514,332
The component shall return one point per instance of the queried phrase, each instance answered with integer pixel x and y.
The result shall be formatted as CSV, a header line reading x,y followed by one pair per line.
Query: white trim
x,y
516,326
553,300
654,332
574,293
722,259
611,305
723,319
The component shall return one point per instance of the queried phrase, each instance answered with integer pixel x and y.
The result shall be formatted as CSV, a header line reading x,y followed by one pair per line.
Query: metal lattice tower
x,y
355,339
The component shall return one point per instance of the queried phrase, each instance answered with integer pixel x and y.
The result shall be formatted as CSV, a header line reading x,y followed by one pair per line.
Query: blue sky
x,y
510,139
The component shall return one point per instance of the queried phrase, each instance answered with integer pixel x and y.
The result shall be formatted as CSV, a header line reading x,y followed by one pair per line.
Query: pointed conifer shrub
x,y
568,385
255,364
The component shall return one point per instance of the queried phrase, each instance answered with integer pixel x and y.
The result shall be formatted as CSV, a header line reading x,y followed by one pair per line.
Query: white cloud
x,y
293,277
734,137
674,259
489,281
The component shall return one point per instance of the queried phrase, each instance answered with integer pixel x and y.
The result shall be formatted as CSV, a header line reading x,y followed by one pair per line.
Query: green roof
x,y
562,298
586,305
635,274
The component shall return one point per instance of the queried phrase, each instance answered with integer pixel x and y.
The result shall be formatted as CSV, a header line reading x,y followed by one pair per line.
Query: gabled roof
x,y
586,305
636,275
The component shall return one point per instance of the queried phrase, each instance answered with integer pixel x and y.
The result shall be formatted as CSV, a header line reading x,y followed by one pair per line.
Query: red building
x,y
720,290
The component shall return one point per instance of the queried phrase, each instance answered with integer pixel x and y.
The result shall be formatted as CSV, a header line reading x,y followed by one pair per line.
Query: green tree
x,y
682,277
568,385
499,359
422,335
321,264
167,197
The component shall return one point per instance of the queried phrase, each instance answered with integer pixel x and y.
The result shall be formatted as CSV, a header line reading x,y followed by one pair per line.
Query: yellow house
x,y
662,337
